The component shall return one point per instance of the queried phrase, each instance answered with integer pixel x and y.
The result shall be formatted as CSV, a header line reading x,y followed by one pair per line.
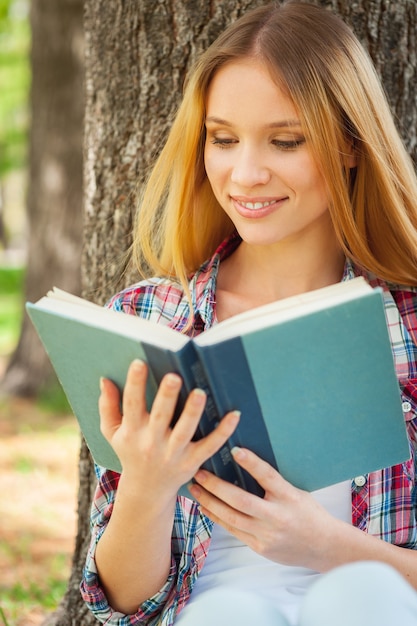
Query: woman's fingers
x,y
134,401
209,445
262,472
134,394
238,499
186,425
109,408
163,407
134,415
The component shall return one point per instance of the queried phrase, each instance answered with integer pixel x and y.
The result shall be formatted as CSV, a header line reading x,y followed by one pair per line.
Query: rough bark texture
x,y
54,200
137,57
388,29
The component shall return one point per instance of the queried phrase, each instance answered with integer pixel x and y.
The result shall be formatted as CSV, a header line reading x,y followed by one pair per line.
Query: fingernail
x,y
138,364
101,384
173,380
237,452
201,476
199,397
194,490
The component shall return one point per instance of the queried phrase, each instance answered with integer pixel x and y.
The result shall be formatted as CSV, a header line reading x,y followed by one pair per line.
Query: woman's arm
x,y
133,556
289,526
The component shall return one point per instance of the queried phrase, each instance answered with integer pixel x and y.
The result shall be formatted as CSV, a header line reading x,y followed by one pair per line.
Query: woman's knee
x,y
229,606
364,593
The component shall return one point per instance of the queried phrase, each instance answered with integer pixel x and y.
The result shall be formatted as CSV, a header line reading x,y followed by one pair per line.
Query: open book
x,y
312,375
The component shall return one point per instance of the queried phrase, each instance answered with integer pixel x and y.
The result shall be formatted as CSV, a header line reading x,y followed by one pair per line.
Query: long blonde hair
x,y
317,60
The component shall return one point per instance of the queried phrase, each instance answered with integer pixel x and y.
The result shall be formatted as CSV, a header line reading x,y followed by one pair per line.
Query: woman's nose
x,y
250,169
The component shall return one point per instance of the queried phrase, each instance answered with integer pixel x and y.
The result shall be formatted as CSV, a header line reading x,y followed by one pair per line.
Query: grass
x,y
3,617
15,79
39,443
52,399
32,595
38,464
11,307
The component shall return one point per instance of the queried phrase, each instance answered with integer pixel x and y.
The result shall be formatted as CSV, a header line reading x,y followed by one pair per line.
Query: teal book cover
x,y
82,351
325,404
315,382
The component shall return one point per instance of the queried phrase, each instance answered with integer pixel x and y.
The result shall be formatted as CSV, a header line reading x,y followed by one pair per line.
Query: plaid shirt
x,y
383,503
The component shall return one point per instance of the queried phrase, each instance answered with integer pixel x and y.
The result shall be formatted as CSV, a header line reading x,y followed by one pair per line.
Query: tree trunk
x,y
54,200
137,54
388,29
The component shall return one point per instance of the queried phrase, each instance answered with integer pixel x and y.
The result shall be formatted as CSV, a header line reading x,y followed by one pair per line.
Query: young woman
x,y
283,173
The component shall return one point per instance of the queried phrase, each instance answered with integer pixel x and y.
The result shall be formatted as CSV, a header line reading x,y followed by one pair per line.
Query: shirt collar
x,y
203,283
349,271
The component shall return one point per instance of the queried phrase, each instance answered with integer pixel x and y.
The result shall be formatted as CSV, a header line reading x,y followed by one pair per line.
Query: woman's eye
x,y
288,145
222,142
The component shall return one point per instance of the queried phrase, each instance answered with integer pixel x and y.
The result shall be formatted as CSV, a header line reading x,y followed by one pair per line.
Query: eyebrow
x,y
280,124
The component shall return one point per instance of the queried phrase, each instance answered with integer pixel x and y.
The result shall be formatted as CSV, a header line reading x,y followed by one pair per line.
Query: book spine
x,y
186,364
161,362
228,374
223,462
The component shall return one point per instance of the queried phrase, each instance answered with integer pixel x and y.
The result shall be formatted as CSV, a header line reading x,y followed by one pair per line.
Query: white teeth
x,y
256,205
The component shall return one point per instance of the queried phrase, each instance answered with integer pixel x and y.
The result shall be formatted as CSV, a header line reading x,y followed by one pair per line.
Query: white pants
x,y
358,594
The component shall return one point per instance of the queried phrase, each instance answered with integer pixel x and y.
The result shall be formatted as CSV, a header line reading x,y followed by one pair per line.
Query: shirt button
x,y
406,407
359,481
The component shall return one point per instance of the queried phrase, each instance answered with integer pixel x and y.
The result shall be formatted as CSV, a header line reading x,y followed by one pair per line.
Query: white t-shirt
x,y
230,563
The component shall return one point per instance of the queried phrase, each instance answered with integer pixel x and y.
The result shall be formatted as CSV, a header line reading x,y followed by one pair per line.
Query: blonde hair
x,y
316,59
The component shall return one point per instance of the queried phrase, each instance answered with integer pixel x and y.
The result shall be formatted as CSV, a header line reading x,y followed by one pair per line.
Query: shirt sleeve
x,y
392,509
91,589
190,540
163,302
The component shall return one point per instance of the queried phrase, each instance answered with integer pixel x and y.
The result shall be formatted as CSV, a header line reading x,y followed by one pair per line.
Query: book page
x,y
286,309
65,296
68,306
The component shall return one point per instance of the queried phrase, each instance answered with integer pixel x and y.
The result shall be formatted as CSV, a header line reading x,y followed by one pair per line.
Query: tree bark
x,y
54,199
137,54
388,30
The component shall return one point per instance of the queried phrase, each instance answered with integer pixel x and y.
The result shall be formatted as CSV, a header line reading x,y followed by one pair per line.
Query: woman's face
x,y
257,158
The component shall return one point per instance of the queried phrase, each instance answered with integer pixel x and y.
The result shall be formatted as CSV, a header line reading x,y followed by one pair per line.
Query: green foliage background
x,y
14,84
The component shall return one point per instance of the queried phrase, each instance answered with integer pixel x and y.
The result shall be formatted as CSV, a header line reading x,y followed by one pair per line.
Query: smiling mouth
x,y
256,206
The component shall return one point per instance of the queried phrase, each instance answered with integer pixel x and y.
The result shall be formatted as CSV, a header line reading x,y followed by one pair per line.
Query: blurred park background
x,y
118,97
39,439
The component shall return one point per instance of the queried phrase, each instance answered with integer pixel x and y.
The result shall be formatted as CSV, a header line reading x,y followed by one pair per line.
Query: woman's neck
x,y
256,275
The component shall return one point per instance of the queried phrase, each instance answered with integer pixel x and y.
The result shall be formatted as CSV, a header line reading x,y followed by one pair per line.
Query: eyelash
x,y
222,143
289,145
281,145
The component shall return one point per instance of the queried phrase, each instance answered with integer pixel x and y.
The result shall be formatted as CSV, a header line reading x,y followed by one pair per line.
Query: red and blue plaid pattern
x,y
383,503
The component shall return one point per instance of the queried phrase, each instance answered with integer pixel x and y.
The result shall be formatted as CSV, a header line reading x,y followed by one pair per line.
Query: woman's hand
x,y
287,525
155,457
133,555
